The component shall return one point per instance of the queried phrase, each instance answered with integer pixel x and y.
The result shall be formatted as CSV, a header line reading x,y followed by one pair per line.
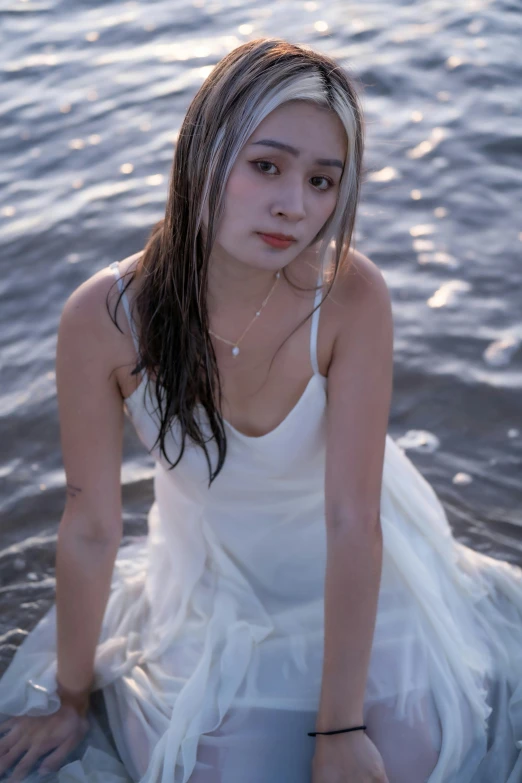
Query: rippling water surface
x,y
91,101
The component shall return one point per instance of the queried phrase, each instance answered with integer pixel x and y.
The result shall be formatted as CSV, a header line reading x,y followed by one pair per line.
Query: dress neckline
x,y
292,411
129,402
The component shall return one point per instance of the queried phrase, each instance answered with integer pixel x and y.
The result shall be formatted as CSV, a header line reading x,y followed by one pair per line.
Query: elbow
x,y
356,537
91,530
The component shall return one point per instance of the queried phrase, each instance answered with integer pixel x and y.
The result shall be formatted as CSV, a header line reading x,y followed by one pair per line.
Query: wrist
x,y
338,707
351,728
78,699
330,720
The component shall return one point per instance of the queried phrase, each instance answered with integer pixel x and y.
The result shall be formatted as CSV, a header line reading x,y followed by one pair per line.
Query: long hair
x,y
174,344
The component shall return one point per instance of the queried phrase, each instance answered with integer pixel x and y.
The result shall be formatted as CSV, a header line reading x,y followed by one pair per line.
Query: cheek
x,y
325,208
241,200
240,188
238,210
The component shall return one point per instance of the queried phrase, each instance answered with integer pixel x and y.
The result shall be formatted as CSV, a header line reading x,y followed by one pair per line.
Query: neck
x,y
237,286
233,286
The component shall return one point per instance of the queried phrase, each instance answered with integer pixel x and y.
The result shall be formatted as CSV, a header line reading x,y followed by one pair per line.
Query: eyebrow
x,y
279,145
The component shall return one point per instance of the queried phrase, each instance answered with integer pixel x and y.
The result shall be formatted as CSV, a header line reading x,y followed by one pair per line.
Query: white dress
x,y
210,655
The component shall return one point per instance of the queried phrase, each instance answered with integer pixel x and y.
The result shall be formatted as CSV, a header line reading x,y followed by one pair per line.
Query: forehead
x,y
304,125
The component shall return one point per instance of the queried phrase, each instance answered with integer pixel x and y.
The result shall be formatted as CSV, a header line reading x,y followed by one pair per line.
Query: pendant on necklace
x,y
235,350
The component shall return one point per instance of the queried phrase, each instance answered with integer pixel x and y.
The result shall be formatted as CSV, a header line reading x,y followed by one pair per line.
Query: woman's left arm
x,y
359,398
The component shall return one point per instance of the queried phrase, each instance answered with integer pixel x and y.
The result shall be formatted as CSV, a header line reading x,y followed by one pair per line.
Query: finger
x,y
28,761
54,760
7,724
11,736
10,728
12,756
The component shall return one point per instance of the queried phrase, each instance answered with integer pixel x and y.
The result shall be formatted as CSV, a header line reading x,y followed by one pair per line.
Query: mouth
x,y
288,237
277,240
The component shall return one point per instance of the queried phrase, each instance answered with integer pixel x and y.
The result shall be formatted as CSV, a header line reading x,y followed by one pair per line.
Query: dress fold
x,y
211,648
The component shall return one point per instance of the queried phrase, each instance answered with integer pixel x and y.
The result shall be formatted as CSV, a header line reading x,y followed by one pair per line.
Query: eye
x,y
326,183
264,166
267,167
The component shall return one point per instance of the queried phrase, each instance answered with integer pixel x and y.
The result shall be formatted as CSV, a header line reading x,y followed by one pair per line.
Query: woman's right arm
x,y
91,429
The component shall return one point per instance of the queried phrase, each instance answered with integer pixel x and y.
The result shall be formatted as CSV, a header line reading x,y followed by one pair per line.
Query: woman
x,y
299,574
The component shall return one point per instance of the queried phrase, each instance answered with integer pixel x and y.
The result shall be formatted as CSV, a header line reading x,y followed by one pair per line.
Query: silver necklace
x,y
235,345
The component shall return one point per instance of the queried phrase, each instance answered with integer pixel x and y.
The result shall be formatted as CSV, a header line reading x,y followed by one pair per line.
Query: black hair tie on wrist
x,y
338,731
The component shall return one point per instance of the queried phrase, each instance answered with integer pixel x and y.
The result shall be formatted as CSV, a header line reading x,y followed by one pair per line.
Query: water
x,y
92,99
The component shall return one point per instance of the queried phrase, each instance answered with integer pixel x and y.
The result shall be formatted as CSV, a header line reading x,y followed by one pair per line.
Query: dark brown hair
x,y
174,344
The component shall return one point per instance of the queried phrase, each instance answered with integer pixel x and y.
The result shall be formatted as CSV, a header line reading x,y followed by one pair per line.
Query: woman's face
x,y
284,181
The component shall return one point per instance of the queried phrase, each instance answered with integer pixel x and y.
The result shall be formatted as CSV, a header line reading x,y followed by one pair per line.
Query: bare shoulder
x,y
87,304
366,273
87,320
357,307
360,290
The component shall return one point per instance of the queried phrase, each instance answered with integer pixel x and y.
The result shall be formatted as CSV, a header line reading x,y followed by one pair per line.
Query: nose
x,y
289,201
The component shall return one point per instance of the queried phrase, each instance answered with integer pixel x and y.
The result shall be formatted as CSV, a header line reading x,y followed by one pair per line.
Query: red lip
x,y
280,241
288,237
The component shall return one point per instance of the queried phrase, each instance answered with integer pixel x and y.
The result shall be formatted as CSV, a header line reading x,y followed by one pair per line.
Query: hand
x,y
28,738
347,758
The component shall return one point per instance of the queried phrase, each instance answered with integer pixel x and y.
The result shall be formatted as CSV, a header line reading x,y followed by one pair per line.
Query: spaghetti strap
x,y
315,324
116,271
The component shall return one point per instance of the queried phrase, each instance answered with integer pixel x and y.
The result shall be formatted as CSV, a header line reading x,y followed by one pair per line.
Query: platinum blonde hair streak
x,y
175,346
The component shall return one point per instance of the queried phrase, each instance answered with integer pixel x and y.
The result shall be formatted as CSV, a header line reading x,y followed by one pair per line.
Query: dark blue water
x,y
91,101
